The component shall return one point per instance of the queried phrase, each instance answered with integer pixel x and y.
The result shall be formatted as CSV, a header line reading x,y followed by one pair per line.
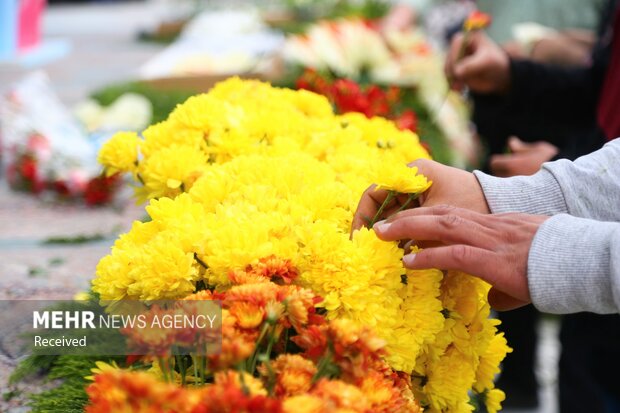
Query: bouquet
x,y
27,172
46,151
251,194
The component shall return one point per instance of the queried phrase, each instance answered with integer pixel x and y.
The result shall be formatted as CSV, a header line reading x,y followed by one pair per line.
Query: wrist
x,y
477,200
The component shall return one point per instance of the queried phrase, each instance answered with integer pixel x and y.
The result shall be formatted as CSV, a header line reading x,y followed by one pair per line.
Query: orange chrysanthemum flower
x,y
477,20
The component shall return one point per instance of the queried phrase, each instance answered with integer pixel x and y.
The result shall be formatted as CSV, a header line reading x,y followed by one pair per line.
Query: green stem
x,y
463,47
459,56
201,262
182,369
163,365
390,196
244,386
272,340
271,377
321,366
286,335
409,200
195,366
253,359
203,378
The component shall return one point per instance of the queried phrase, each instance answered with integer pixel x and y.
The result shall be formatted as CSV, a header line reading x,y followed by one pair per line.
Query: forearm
x,y
574,265
588,187
539,194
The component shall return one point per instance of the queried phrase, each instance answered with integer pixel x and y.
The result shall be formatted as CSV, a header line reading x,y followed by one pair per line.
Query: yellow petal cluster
x,y
120,153
250,171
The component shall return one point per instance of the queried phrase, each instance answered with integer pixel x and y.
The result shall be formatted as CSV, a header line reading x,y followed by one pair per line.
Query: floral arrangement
x,y
28,172
378,58
355,48
252,190
45,149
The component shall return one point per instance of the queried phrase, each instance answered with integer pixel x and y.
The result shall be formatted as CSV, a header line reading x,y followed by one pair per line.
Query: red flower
x,y
61,188
100,190
407,120
348,96
28,170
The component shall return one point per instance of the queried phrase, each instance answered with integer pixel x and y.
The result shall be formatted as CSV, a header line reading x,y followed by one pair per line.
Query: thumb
x,y
516,145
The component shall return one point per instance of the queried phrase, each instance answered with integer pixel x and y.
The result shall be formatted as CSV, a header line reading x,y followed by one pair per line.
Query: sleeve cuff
x,y
539,194
569,266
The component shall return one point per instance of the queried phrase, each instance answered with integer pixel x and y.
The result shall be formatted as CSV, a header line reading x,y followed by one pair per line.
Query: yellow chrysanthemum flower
x,y
172,170
250,171
398,177
120,153
493,400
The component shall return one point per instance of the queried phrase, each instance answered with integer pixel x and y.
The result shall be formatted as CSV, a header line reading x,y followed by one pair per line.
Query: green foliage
x,y
31,366
78,239
309,11
163,101
70,396
368,9
428,130
9,395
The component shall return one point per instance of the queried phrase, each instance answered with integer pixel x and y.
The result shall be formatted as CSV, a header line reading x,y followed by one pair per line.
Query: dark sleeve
x,y
552,103
559,93
580,143
565,94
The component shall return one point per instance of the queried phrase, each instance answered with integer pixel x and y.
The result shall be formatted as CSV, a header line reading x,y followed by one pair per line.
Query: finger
x,y
516,145
453,52
440,210
479,262
368,206
501,301
470,67
393,210
408,245
505,165
422,165
447,229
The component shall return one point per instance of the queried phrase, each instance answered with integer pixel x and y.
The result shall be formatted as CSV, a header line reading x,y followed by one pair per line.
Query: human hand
x,y
492,247
484,66
525,159
515,49
450,186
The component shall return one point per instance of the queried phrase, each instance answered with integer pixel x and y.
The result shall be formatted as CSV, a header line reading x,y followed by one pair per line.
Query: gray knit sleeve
x,y
574,260
574,265
589,187
539,194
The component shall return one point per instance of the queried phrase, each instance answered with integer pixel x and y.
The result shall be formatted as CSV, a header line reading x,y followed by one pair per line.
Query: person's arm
x,y
574,261
556,92
588,187
574,265
549,93
561,264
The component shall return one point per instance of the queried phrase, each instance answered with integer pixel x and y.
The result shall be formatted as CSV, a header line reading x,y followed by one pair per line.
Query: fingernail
x,y
381,226
408,245
408,260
